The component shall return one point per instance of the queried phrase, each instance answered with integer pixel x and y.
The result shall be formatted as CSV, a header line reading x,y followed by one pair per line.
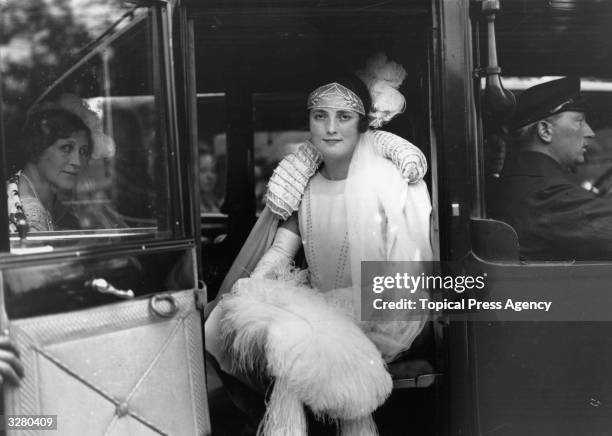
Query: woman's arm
x,y
286,244
407,157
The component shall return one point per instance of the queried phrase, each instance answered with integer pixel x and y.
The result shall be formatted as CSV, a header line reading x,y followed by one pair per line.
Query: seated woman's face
x,y
334,132
61,162
208,174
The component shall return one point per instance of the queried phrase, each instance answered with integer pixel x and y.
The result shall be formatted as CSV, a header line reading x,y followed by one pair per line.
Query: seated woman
x,y
209,203
342,202
59,139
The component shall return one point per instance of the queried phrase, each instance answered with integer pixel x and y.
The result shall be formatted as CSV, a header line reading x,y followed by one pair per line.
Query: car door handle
x,y
104,287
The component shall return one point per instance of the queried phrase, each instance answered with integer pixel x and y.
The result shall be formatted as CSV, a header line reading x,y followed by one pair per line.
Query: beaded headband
x,y
335,96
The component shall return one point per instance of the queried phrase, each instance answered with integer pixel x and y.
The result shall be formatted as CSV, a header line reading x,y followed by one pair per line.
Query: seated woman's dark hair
x,y
356,85
46,126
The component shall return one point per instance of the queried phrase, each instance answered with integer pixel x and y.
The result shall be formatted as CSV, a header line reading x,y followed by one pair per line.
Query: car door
x,y
107,313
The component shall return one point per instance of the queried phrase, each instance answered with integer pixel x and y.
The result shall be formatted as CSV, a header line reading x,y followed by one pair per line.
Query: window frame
x,y
179,234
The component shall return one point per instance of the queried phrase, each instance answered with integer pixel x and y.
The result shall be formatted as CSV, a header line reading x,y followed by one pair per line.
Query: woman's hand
x,y
11,368
407,157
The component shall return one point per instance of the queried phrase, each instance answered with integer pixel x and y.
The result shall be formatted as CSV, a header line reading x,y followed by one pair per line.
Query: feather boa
x,y
317,355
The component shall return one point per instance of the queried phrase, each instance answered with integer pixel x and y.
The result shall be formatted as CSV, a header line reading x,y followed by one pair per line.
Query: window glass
x,y
595,172
78,283
279,126
213,177
598,157
85,123
551,181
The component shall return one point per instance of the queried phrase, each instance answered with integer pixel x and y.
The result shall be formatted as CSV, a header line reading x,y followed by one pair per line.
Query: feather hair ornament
x,y
383,78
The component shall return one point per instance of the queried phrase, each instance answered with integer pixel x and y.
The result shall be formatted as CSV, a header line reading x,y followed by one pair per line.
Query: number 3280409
x,y
31,422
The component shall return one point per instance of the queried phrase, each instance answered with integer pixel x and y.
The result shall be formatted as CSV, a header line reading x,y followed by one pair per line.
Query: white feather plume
x,y
383,79
319,353
378,67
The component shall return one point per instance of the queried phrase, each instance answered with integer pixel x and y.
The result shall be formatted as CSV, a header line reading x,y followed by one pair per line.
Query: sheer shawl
x,y
388,220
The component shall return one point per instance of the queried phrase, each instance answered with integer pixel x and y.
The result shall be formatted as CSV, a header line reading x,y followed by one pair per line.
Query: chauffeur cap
x,y
546,99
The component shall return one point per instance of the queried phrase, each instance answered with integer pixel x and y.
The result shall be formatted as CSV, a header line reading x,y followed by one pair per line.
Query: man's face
x,y
570,138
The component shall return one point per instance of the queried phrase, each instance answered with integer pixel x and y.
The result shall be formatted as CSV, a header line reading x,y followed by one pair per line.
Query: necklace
x,y
322,243
46,213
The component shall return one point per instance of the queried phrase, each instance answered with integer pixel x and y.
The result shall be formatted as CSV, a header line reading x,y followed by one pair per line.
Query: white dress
x,y
373,215
324,231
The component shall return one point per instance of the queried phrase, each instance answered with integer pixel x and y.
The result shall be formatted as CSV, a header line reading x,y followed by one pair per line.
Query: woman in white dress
x,y
341,201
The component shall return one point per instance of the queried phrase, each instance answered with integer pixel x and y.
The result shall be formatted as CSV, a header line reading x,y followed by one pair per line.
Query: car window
x,y
103,175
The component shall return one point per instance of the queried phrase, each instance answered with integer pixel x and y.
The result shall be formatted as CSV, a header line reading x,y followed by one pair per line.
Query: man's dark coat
x,y
554,217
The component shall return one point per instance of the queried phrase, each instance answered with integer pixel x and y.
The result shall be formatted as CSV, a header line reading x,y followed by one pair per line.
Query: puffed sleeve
x,y
407,157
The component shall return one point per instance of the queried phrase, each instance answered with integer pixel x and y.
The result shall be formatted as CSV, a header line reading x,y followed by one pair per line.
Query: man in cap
x,y
554,217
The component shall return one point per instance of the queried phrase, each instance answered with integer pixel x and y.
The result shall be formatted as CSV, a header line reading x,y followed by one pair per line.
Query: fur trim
x,y
321,355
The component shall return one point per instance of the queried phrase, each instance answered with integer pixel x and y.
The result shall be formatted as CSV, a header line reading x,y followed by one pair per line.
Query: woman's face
x,y
334,132
61,162
208,174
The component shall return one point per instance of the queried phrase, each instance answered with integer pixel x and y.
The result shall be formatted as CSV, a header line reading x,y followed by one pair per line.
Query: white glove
x,y
284,248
